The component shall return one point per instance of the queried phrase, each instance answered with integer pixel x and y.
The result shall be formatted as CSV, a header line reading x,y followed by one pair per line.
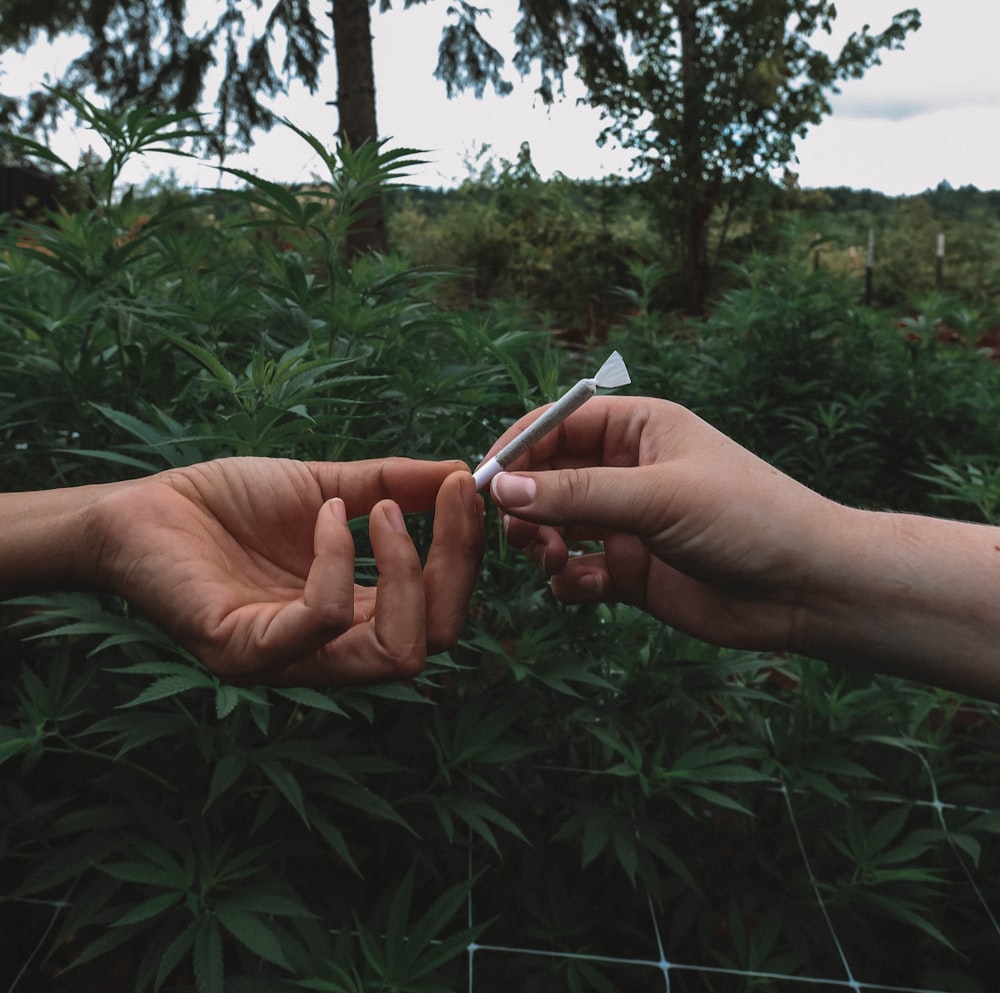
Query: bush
x,y
850,401
572,798
557,247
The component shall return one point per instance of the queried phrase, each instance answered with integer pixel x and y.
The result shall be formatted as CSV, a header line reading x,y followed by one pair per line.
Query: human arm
x,y
708,538
249,563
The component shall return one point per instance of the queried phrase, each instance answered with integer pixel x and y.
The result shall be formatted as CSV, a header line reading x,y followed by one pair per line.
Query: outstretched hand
x,y
249,564
686,524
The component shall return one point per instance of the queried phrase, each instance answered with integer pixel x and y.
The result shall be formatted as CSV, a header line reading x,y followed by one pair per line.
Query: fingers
x,y
584,579
453,560
415,611
606,430
257,639
421,611
546,547
328,595
411,483
598,498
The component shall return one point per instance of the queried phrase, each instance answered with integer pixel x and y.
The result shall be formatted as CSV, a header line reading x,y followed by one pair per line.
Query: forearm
x,y
911,596
49,540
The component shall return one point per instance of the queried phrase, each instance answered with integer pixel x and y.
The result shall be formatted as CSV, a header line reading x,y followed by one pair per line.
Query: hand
x,y
688,525
708,538
249,563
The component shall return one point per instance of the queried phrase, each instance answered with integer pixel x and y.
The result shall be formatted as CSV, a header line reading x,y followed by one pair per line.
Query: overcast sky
x,y
929,113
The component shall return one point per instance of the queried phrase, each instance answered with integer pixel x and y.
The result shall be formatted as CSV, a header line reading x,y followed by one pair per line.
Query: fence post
x,y
870,268
939,261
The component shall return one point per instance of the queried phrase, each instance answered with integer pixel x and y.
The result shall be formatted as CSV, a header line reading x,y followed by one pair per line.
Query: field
x,y
573,798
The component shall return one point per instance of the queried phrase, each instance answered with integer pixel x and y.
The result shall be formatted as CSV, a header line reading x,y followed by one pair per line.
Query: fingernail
x,y
339,509
513,491
395,518
592,582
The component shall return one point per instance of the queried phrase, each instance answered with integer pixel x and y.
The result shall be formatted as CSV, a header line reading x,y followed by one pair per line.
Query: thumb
x,y
615,499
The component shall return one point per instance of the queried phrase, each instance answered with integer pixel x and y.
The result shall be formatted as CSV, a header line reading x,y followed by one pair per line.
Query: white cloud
x,y
929,112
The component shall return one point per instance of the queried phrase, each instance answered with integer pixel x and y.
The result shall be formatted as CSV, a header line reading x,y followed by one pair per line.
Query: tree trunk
x,y
698,198
700,205
352,39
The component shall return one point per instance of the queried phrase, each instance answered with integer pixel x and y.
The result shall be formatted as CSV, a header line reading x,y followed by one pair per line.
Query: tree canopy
x,y
708,93
160,53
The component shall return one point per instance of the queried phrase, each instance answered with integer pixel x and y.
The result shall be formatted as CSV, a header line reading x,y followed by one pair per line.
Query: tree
x,y
711,95
352,32
147,51
142,50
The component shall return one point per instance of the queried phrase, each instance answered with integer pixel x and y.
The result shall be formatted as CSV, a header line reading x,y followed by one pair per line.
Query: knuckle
x,y
576,483
445,636
408,665
333,617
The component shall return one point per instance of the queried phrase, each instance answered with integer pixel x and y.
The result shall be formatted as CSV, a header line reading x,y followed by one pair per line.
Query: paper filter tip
x,y
613,373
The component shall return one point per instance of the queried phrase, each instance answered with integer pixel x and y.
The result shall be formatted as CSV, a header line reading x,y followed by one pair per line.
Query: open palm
x,y
249,563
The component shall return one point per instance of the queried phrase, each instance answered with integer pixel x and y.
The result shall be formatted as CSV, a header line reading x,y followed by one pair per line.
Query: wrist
x,y
909,596
51,540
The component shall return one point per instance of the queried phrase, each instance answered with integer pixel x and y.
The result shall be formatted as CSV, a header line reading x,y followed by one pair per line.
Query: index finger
x,y
604,431
387,643
411,483
453,560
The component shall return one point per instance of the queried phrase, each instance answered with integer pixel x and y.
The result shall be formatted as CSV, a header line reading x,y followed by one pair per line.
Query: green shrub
x,y
559,247
569,799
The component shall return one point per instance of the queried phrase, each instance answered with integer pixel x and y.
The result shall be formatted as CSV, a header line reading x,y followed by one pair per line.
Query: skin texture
x,y
681,521
249,563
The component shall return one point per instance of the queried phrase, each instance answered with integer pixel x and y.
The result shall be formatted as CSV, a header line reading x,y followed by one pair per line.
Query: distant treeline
x,y
948,203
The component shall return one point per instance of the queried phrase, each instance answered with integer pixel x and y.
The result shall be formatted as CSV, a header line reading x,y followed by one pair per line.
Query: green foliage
x,y
906,275
556,248
719,90
565,788
851,401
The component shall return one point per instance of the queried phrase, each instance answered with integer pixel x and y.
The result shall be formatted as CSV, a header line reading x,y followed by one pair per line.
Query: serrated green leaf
x,y
968,844
133,730
226,700
208,972
174,954
107,942
624,844
148,908
364,799
264,900
158,668
169,686
226,772
596,834
839,765
477,814
717,798
115,458
311,698
334,837
394,691
895,908
143,872
284,782
821,785
250,931
15,745
885,829
426,951
208,359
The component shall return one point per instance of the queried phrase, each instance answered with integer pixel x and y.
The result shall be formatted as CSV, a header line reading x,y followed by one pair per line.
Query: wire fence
x,y
658,971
